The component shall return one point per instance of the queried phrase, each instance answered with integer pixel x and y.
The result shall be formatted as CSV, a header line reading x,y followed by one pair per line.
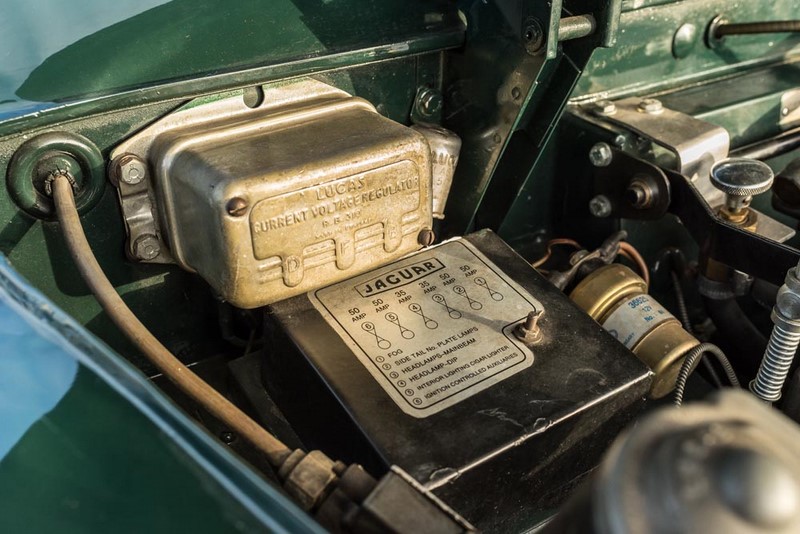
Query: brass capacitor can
x,y
617,298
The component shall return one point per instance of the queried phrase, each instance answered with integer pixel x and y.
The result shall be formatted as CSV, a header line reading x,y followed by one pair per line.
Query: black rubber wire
x,y
688,367
683,316
778,26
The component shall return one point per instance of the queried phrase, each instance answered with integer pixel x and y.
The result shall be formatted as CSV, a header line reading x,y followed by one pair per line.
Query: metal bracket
x,y
618,179
680,143
614,181
147,241
726,243
137,201
790,109
692,145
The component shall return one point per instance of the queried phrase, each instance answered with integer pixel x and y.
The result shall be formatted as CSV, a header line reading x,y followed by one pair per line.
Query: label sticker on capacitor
x,y
634,318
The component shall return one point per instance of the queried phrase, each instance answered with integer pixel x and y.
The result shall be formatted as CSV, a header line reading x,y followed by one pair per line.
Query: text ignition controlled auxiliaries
x,y
426,363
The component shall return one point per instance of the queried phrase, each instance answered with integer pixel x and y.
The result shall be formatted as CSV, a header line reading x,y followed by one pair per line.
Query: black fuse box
x,y
416,364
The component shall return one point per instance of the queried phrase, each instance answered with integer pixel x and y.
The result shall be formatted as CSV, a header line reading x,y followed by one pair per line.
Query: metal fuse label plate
x,y
434,328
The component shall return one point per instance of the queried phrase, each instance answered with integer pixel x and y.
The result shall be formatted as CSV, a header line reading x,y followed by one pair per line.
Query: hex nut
x,y
601,155
429,102
604,107
652,106
146,247
529,330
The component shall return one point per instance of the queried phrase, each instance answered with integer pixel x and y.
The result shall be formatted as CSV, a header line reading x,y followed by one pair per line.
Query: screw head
x,y
652,106
684,40
236,207
253,96
601,155
600,206
129,169
146,247
426,237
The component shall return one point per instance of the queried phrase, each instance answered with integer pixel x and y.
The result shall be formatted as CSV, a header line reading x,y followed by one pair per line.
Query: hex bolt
x,y
236,207
129,169
600,206
146,247
651,105
604,107
529,331
601,155
426,237
429,102
783,341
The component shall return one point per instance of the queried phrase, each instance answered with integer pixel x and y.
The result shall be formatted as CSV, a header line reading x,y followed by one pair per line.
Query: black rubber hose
x,y
739,332
764,293
791,397
688,367
777,26
770,148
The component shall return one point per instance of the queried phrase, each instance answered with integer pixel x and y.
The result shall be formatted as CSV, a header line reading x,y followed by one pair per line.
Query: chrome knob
x,y
741,179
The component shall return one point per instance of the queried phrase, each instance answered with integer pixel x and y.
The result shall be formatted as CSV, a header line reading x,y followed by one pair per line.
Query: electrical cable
x,y
625,249
630,252
688,367
683,316
550,244
186,380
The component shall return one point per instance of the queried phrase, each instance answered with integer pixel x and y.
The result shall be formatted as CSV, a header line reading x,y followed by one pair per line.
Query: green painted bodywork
x,y
737,85
89,445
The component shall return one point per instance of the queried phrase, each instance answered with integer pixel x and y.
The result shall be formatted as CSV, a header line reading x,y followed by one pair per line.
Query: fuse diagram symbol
x,y
395,320
382,342
495,295
430,324
474,304
452,312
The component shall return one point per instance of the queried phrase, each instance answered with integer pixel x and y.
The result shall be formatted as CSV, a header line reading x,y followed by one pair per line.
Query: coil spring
x,y
775,366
